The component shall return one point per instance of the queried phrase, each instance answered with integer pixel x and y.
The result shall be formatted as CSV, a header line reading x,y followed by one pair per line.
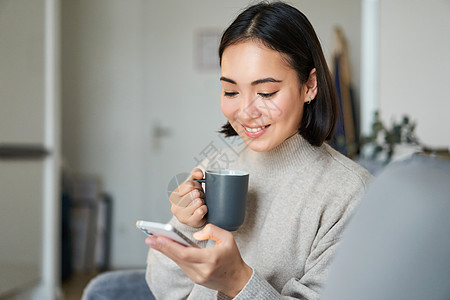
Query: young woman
x,y
278,96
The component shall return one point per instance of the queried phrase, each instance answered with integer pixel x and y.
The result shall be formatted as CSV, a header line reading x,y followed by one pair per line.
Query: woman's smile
x,y
255,132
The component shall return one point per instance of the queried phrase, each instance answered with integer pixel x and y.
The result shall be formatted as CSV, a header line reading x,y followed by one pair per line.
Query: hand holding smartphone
x,y
167,230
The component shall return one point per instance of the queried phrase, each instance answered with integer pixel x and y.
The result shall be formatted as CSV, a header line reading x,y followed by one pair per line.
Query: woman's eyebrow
x,y
227,80
264,80
256,82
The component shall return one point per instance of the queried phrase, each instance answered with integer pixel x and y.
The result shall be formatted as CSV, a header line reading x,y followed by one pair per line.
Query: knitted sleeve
x,y
306,287
165,278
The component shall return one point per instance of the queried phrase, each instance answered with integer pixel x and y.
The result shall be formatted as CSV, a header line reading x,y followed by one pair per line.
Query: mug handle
x,y
200,180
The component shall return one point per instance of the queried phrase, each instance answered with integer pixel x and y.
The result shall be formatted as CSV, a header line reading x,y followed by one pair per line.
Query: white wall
x,y
415,66
128,67
29,116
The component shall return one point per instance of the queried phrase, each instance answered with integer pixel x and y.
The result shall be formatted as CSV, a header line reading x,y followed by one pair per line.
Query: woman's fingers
x,y
193,214
198,216
196,174
186,187
212,232
175,251
189,199
189,184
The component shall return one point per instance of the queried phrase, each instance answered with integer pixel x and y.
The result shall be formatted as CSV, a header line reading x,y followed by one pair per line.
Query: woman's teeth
x,y
255,129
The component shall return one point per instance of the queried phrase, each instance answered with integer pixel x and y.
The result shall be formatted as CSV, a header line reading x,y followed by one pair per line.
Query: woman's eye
x,y
267,95
230,94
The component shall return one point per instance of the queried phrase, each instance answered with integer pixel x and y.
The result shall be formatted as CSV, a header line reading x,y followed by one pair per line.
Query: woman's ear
x,y
311,86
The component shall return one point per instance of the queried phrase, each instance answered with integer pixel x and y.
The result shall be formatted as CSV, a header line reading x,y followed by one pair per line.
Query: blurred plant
x,y
382,140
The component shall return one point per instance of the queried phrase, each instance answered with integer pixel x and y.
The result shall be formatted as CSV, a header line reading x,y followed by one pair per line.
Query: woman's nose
x,y
249,108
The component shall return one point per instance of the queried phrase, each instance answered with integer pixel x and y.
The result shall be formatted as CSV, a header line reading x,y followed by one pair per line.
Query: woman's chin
x,y
257,145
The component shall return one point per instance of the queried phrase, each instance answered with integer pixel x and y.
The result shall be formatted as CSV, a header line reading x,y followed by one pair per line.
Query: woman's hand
x,y
188,204
219,268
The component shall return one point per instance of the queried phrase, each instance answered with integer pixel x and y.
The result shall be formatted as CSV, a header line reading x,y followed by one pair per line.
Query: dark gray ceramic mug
x,y
226,197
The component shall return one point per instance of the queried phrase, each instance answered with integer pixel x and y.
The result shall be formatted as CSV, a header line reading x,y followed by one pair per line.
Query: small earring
x,y
309,102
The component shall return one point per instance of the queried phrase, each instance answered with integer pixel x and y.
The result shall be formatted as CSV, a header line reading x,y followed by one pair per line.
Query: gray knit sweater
x,y
300,198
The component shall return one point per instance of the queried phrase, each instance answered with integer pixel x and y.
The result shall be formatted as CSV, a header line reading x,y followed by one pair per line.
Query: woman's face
x,y
261,95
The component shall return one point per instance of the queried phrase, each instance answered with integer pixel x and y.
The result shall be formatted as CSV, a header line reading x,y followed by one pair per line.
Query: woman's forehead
x,y
253,59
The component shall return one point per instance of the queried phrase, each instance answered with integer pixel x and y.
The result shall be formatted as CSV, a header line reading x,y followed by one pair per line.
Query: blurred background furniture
x,y
86,226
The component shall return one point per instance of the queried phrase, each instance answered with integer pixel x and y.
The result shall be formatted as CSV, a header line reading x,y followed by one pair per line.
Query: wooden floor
x,y
73,287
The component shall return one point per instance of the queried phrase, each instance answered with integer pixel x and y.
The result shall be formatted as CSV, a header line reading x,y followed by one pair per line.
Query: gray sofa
x,y
397,245
118,285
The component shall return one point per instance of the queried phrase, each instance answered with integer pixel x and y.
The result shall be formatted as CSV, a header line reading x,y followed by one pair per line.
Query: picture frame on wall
x,y
206,49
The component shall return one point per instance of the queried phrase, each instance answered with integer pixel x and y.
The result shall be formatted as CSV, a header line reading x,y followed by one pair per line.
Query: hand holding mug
x,y
187,200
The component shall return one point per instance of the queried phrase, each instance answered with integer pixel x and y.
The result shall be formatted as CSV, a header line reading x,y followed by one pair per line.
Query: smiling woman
x,y
278,96
297,50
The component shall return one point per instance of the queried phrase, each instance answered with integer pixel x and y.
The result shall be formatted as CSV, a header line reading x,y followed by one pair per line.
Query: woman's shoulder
x,y
344,167
337,181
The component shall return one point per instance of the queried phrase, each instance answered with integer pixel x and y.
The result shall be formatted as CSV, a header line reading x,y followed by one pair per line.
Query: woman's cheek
x,y
227,109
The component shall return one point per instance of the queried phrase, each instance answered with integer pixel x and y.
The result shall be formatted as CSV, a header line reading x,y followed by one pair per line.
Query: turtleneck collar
x,y
292,153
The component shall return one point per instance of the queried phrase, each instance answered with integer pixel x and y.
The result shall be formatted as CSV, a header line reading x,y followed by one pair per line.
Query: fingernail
x,y
197,234
152,244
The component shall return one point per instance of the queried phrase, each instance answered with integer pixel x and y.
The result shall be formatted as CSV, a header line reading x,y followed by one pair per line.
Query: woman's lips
x,y
255,132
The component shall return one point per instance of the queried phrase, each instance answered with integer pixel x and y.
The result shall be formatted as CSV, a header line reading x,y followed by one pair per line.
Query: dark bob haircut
x,y
285,29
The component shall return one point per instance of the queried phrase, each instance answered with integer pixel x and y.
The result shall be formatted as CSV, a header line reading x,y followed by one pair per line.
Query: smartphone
x,y
167,230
